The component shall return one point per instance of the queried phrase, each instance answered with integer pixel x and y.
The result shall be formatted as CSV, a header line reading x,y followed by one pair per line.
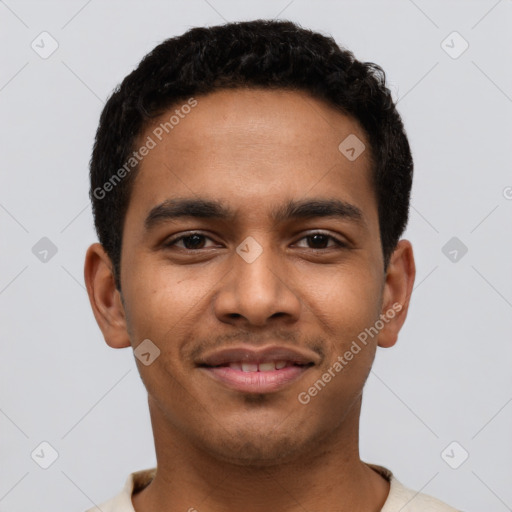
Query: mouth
x,y
267,366
257,371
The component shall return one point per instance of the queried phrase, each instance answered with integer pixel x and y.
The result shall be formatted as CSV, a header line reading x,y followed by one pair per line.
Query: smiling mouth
x,y
250,377
250,369
268,366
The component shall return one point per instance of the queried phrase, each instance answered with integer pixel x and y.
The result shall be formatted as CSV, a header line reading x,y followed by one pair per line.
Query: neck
x,y
330,476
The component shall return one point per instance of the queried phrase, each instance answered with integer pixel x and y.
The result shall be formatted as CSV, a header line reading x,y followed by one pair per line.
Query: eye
x,y
319,240
191,241
196,241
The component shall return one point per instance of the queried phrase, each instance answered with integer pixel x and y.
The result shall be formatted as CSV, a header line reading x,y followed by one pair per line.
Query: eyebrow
x,y
172,209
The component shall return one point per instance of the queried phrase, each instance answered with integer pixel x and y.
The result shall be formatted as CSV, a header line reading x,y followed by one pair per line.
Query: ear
x,y
105,298
397,291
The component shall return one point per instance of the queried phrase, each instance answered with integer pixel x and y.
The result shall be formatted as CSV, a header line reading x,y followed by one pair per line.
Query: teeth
x,y
267,367
262,367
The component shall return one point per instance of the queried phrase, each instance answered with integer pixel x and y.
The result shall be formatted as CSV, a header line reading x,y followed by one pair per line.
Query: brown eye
x,y
191,242
318,241
321,241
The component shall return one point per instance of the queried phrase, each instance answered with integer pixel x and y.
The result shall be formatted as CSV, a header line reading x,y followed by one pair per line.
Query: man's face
x,y
277,288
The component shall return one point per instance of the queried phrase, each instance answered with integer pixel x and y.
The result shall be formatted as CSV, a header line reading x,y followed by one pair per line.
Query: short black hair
x,y
260,53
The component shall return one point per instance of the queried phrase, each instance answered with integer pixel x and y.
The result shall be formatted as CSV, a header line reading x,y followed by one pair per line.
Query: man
x,y
250,183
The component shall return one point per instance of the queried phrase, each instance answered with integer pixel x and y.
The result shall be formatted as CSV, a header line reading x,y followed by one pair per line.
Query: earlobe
x,y
400,276
105,299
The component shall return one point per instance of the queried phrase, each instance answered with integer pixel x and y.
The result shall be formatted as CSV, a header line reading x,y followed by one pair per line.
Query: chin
x,y
259,445
244,450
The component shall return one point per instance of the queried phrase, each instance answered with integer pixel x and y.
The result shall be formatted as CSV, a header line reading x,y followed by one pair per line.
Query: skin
x,y
219,449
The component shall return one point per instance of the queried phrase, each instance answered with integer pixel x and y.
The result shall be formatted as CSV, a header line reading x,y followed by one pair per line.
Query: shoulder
x,y
123,501
403,499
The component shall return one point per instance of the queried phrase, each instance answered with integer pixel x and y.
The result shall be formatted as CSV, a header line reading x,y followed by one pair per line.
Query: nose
x,y
257,291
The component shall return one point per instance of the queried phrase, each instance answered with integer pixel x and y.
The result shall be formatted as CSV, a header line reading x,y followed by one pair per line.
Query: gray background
x,y
448,378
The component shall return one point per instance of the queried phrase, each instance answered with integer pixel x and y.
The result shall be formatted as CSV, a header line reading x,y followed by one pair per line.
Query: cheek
x,y
161,299
348,299
347,311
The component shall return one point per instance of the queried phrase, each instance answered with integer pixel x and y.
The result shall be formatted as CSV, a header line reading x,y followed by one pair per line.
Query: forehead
x,y
253,147
247,120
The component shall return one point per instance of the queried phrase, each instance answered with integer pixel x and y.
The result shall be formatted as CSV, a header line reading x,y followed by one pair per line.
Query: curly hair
x,y
259,53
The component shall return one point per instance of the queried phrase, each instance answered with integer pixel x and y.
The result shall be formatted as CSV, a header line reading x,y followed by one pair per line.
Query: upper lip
x,y
259,355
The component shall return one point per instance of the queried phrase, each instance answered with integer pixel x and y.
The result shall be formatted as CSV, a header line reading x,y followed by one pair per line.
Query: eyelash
x,y
172,242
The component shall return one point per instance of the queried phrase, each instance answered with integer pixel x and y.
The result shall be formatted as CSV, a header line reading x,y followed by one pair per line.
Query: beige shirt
x,y
400,499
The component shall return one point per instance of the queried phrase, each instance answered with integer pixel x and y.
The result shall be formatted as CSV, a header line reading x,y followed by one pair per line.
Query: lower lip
x,y
256,382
